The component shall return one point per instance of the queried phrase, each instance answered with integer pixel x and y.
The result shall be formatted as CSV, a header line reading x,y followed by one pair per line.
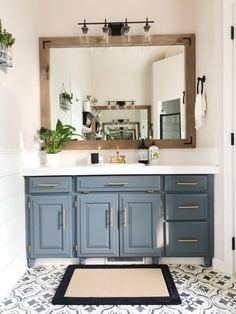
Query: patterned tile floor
x,y
202,291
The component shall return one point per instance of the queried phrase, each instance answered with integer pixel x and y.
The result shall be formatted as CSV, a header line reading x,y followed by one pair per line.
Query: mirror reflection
x,y
134,92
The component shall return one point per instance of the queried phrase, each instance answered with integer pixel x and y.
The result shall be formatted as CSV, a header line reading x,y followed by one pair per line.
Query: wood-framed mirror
x,y
166,90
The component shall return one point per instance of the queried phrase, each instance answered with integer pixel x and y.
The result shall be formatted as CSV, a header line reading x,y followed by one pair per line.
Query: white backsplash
x,y
167,157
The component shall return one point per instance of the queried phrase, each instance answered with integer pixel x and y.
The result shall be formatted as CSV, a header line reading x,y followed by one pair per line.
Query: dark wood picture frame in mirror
x,y
187,40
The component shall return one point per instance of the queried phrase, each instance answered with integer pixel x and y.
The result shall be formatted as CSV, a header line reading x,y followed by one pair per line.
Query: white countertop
x,y
120,169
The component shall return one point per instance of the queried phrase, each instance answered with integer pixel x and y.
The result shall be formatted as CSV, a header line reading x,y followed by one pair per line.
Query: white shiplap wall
x,y
19,120
12,220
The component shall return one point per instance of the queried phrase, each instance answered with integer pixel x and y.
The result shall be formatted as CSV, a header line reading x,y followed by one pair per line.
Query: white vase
x,y
52,160
87,106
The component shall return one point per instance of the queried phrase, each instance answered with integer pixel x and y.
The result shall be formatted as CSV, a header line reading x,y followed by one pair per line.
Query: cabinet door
x,y
50,224
98,231
141,225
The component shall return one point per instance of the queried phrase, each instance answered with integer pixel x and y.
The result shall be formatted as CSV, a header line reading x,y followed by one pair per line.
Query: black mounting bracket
x,y
189,40
190,141
45,42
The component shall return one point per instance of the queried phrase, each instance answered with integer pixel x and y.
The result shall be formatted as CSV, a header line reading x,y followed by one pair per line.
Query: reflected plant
x,y
68,97
91,99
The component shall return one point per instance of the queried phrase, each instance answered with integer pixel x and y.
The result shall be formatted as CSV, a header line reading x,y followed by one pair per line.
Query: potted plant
x,y
54,140
6,42
89,100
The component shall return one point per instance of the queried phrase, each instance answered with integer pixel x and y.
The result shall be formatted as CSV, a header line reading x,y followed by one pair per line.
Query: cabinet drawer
x,y
50,184
186,239
186,206
118,183
185,183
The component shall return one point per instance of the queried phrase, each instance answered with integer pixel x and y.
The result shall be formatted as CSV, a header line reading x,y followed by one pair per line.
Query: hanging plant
x,y
68,97
6,38
65,100
6,42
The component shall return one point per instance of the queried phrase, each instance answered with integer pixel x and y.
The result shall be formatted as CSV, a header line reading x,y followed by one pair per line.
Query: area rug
x,y
117,285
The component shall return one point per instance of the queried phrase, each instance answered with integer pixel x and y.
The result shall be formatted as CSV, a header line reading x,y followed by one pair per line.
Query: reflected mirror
x,y
135,91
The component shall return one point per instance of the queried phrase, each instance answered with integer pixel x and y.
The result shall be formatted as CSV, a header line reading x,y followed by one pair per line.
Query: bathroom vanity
x,y
99,211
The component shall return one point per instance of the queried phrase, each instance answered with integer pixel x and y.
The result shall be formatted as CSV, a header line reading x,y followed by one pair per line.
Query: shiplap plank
x,y
10,163
10,251
11,228
11,207
10,186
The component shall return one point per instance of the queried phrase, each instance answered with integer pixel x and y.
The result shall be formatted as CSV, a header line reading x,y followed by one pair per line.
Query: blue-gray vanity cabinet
x,y
120,215
48,217
189,216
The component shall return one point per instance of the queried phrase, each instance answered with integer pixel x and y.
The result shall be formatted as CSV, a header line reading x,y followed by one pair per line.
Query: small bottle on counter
x,y
143,153
154,154
100,157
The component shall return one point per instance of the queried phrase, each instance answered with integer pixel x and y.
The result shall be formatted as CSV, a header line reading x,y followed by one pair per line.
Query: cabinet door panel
x,y
51,226
98,225
141,225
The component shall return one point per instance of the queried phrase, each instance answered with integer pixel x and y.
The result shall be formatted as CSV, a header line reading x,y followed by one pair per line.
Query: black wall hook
x,y
202,80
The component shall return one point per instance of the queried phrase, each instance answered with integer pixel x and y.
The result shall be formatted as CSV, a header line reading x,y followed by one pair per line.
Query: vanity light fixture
x,y
147,32
118,29
84,28
106,30
120,104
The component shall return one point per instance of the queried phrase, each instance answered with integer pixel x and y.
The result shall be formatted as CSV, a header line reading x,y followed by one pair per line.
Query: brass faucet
x,y
118,158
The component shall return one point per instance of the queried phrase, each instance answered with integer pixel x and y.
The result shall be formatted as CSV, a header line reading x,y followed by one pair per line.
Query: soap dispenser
x,y
143,153
154,154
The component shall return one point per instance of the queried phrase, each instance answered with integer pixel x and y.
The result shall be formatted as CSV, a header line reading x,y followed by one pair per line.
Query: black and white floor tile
x,y
202,291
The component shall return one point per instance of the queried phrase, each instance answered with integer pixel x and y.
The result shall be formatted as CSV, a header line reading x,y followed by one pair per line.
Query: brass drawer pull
x,y
111,216
64,218
186,183
118,183
48,185
187,241
188,207
125,216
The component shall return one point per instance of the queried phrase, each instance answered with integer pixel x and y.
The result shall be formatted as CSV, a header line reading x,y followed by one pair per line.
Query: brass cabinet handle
x,y
48,185
64,218
186,183
118,183
111,216
188,207
125,217
187,241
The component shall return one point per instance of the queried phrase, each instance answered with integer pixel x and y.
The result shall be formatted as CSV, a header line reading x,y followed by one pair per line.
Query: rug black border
x,y
173,299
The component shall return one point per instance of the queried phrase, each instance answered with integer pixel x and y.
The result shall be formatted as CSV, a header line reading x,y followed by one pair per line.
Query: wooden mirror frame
x,y
187,40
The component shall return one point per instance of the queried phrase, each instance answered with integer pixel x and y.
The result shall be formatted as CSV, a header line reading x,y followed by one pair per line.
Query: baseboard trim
x,y
219,265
